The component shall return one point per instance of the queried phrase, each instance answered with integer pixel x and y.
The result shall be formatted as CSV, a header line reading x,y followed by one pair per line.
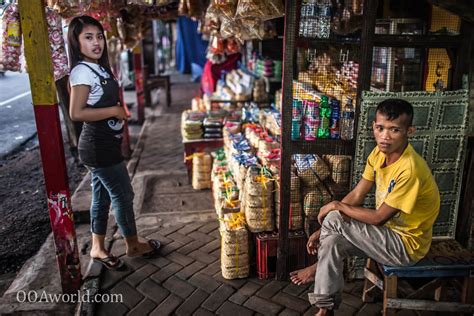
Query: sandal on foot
x,y
110,262
156,247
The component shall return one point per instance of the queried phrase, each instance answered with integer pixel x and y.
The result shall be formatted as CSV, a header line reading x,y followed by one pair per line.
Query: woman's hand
x,y
120,112
313,241
331,206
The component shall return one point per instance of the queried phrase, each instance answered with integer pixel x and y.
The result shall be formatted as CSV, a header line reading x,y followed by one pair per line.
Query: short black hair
x,y
74,48
393,108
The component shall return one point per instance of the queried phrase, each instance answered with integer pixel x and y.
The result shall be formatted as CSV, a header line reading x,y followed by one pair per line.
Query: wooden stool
x,y
446,261
154,82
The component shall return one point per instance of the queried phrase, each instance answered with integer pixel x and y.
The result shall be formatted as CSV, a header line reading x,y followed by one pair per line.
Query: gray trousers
x,y
342,237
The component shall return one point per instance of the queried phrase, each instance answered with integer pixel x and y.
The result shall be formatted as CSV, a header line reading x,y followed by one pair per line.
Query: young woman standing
x,y
95,101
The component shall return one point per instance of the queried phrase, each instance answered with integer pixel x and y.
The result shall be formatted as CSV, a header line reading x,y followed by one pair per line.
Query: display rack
x,y
363,42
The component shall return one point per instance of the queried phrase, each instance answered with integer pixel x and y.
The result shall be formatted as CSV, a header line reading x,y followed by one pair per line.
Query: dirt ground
x,y
24,218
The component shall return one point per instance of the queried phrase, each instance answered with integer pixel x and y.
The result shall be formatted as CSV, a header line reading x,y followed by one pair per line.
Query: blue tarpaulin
x,y
190,48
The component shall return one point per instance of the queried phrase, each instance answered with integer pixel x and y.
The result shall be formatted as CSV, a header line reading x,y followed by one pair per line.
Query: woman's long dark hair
x,y
74,49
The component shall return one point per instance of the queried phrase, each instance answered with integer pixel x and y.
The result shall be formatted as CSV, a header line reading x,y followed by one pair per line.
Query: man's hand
x,y
313,241
331,206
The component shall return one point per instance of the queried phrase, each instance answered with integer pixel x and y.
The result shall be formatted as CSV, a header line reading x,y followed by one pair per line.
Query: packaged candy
x,y
11,42
56,42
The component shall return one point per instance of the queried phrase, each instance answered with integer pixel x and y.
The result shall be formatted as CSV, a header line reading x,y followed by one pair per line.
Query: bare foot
x,y
324,312
303,276
99,253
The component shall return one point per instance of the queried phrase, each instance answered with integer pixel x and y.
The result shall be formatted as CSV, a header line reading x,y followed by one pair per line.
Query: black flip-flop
x,y
110,262
156,246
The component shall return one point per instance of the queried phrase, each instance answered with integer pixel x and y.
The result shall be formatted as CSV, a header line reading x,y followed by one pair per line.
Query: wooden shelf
x,y
323,146
307,42
420,41
384,40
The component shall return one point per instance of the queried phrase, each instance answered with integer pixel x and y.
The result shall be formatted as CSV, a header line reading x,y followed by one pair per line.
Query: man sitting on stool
x,y
397,232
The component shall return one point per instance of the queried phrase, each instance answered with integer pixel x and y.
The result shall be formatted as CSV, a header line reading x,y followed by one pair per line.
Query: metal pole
x,y
43,90
139,82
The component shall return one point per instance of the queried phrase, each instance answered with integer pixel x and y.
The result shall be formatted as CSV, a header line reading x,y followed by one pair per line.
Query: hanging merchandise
x,y
227,7
11,41
262,9
56,42
128,25
70,8
191,8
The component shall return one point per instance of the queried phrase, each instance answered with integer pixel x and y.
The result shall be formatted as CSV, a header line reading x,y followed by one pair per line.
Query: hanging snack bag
x,y
56,42
11,42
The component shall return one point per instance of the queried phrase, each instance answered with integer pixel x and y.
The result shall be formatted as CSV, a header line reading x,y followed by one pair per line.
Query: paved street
x,y
17,119
186,278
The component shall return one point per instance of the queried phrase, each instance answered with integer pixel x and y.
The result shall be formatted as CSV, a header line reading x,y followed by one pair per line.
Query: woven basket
x,y
295,217
234,249
314,200
341,178
201,184
259,219
313,171
259,202
202,159
338,163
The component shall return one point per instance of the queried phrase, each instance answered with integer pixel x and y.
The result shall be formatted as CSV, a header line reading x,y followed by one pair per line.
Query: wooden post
x,y
43,90
285,160
389,291
139,82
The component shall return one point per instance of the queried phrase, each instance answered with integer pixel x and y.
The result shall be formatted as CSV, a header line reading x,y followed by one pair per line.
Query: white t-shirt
x,y
82,75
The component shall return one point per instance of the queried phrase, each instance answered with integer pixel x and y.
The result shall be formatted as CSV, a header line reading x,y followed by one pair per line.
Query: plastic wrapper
x,y
227,7
70,8
217,45
11,38
56,42
232,46
262,9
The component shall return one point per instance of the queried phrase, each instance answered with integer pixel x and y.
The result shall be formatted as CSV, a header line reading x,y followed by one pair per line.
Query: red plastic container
x,y
266,250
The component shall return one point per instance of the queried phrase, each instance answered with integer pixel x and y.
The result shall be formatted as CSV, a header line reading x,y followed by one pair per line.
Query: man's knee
x,y
332,222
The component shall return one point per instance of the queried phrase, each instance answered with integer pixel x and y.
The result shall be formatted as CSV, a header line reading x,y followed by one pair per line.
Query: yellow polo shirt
x,y
408,186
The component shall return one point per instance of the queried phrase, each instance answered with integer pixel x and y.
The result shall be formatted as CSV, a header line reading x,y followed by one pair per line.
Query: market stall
x,y
308,142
